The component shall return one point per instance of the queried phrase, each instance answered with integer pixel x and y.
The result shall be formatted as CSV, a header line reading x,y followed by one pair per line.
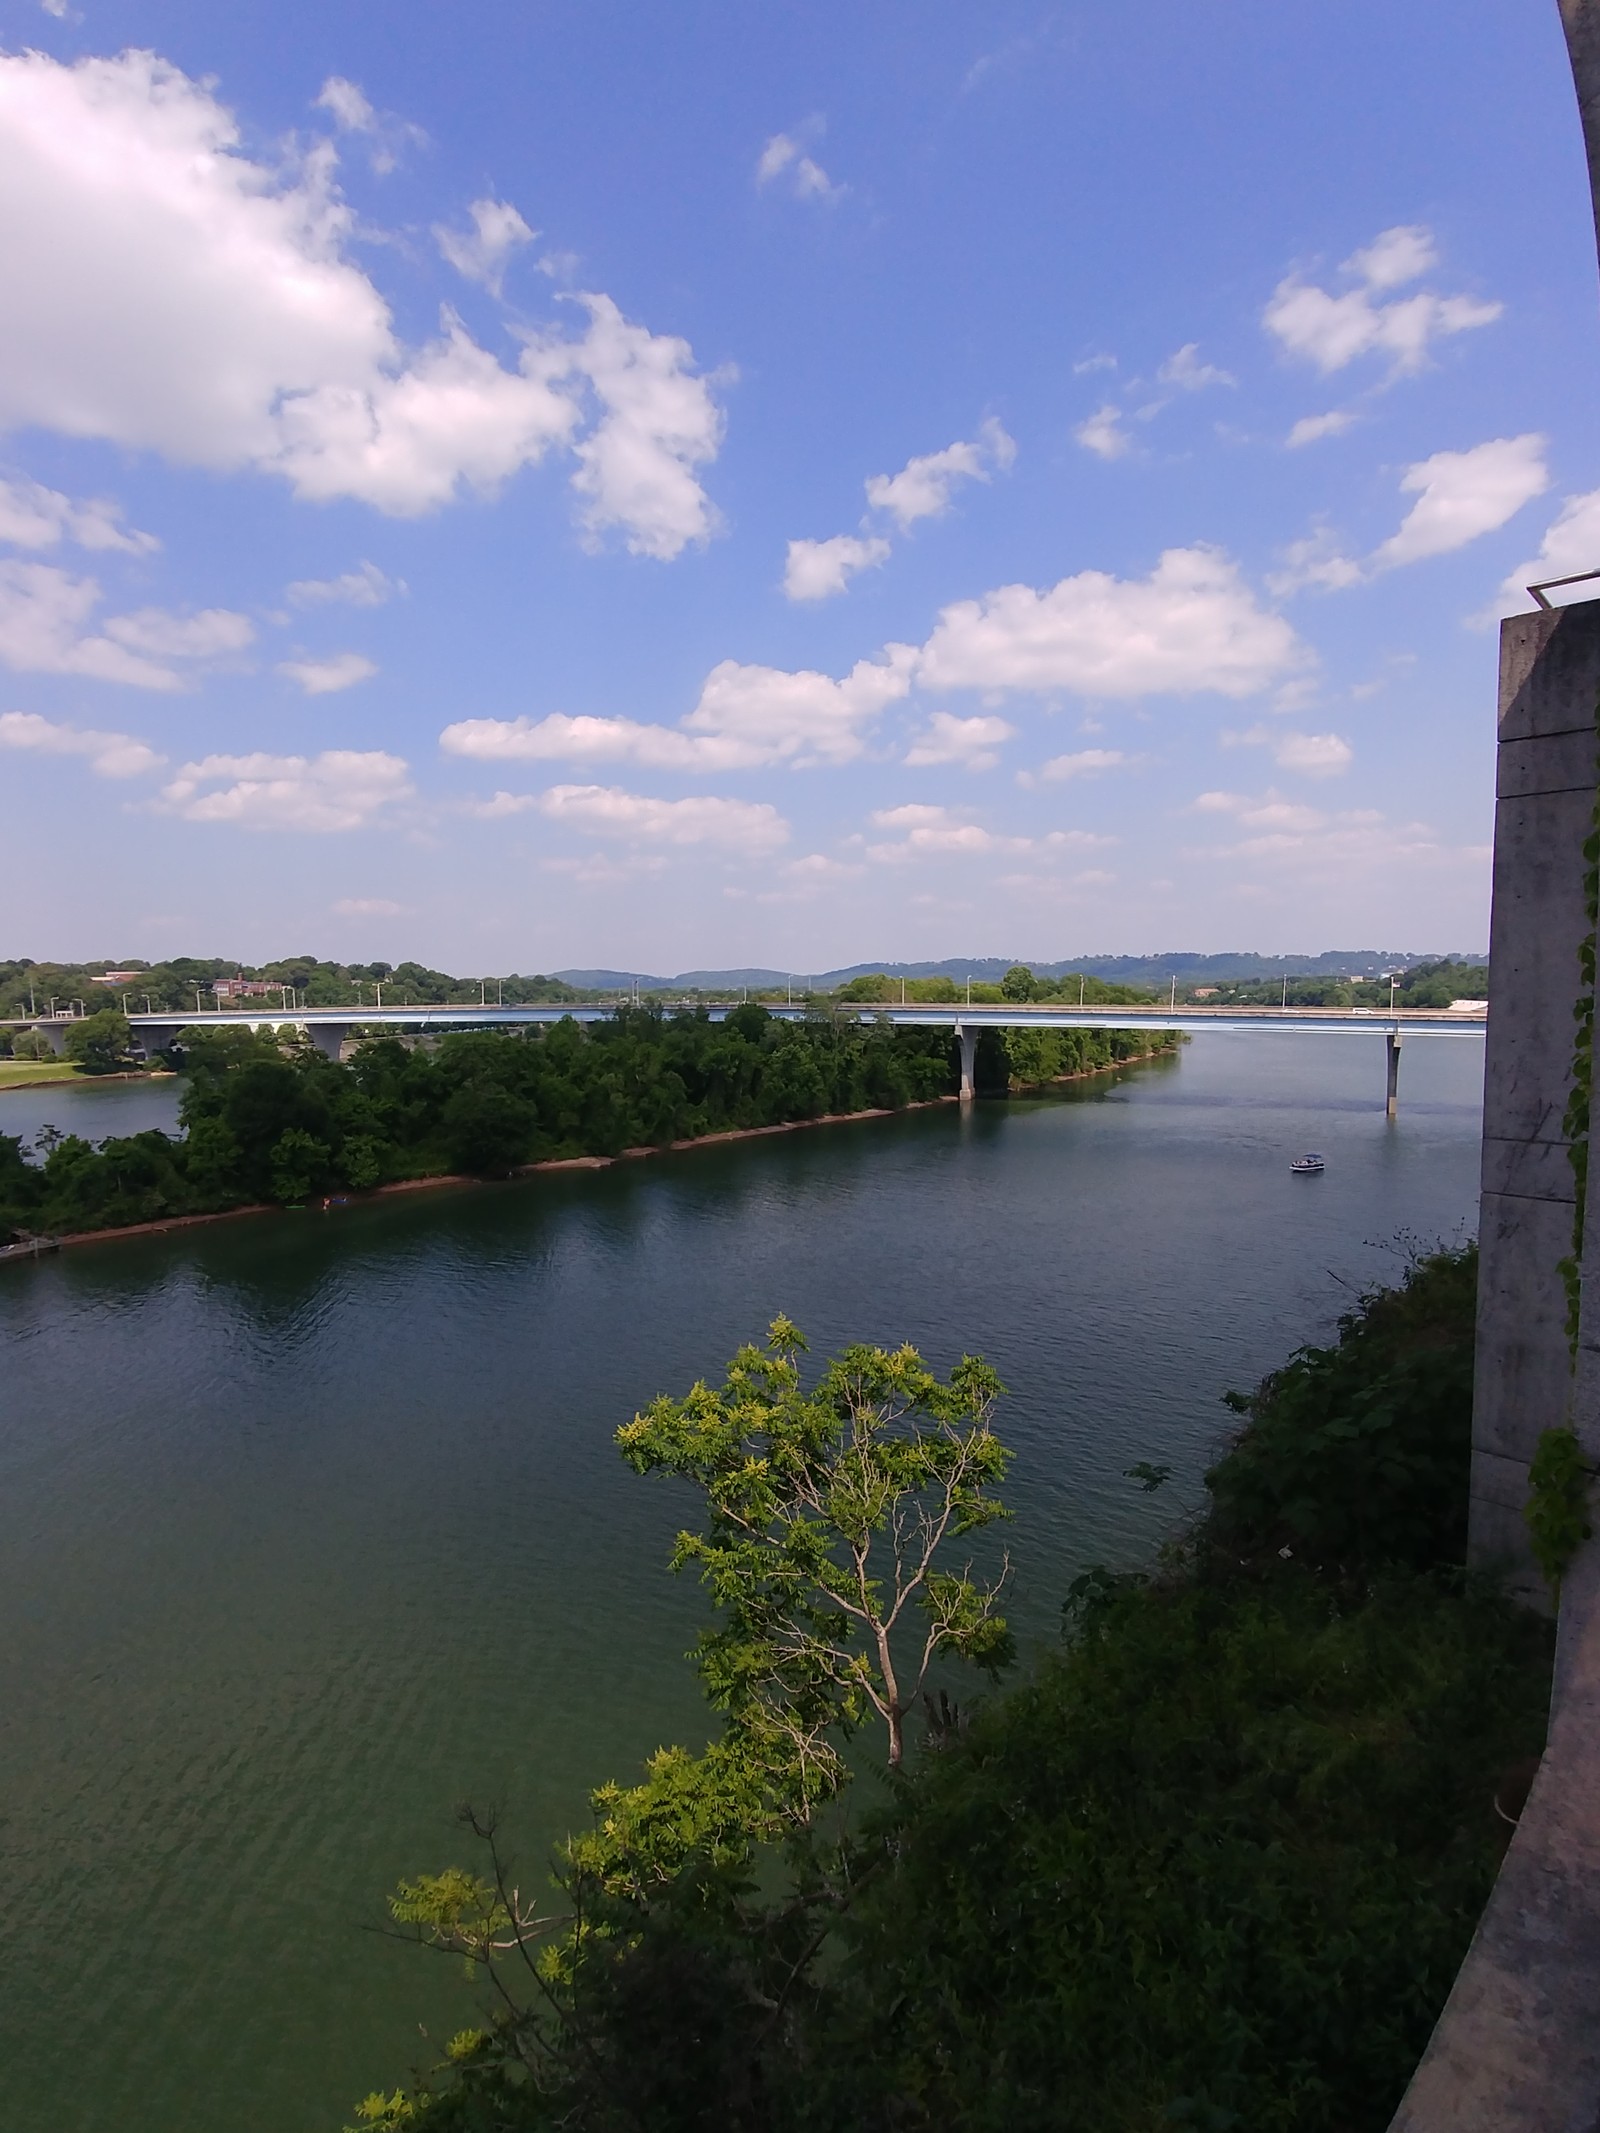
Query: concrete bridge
x,y
330,1028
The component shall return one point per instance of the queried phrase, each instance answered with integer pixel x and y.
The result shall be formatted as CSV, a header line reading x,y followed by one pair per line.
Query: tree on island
x,y
98,1043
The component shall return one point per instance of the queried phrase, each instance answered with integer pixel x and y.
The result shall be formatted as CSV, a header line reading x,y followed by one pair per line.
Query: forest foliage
x,y
270,1120
1210,1862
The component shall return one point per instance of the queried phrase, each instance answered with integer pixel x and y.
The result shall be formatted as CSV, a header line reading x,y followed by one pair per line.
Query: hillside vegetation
x,y
1210,1863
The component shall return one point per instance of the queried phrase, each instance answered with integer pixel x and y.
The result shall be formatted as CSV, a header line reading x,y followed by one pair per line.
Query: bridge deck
x,y
1300,1021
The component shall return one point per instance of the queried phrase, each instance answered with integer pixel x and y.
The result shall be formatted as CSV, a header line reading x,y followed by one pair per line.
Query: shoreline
x,y
83,1081
159,1228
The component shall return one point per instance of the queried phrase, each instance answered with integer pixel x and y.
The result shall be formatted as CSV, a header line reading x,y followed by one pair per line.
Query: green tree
x,y
362,1161
299,1165
828,1511
1019,983
99,1042
211,1159
488,1130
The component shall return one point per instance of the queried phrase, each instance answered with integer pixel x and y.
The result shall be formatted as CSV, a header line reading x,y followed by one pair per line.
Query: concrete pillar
x,y
1549,687
1580,19
1392,1045
328,1037
54,1034
969,1055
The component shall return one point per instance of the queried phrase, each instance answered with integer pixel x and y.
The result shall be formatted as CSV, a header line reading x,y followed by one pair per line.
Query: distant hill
x,y
1189,967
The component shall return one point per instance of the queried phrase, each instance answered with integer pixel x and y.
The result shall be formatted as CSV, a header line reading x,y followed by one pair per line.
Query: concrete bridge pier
x,y
969,1057
54,1034
1392,1041
328,1037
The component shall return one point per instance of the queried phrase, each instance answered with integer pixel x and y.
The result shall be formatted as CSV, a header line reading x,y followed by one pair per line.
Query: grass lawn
x,y
14,1073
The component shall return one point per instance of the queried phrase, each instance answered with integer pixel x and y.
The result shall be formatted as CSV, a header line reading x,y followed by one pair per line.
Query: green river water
x,y
311,1526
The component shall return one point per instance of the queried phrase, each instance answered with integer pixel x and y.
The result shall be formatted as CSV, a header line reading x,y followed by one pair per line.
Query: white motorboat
x,y
1308,1166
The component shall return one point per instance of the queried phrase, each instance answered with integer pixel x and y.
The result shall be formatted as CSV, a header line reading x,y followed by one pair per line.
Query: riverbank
x,y
522,1170
50,1073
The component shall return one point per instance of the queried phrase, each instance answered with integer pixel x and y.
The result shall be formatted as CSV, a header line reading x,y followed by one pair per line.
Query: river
x,y
311,1525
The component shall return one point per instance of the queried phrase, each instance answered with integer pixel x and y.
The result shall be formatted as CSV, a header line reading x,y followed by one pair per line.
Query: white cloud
x,y
1313,755
1316,755
502,805
406,442
1192,625
1076,841
1395,257
818,867
349,108
167,293
366,586
747,716
927,831
1571,544
210,634
1103,433
481,253
110,755
32,516
1093,363
560,738
1185,372
1312,427
971,742
659,423
803,717
935,831
341,789
1461,495
369,907
1316,560
323,677
1286,835
1085,762
784,157
922,487
915,814
748,827
1332,331
815,570
44,613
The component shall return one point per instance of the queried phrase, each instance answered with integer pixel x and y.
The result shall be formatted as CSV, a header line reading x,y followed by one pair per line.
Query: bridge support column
x,y
54,1034
1392,1042
328,1037
969,1057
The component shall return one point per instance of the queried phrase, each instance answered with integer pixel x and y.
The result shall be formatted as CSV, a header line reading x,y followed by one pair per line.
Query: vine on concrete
x,y
1575,1123
1557,1509
1558,1503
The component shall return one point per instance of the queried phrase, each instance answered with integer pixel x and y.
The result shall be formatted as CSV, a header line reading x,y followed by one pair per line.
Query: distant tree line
x,y
1431,984
28,988
271,1119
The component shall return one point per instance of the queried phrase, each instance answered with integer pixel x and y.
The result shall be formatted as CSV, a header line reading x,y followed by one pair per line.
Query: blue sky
x,y
559,484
